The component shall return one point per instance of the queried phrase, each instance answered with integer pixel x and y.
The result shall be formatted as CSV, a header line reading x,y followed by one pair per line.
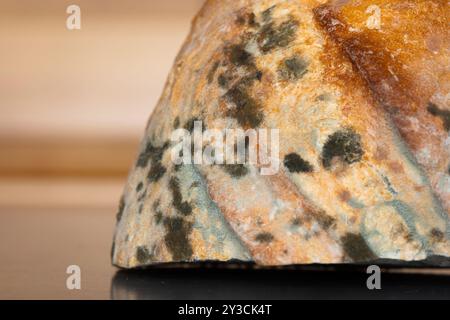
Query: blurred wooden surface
x,y
72,156
62,193
75,103
38,245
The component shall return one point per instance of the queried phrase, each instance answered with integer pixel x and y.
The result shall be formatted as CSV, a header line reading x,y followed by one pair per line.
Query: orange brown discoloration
x,y
406,65
345,196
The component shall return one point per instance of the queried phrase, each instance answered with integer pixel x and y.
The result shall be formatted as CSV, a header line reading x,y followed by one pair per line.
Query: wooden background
x,y
74,104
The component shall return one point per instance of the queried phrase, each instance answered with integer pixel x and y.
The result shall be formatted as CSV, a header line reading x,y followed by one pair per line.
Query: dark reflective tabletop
x,y
272,284
37,246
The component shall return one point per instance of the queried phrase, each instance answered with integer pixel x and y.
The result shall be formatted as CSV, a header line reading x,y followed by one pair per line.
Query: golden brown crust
x,y
405,57
401,48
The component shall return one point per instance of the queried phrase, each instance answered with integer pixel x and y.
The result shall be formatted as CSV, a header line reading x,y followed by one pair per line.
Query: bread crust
x,y
271,64
405,61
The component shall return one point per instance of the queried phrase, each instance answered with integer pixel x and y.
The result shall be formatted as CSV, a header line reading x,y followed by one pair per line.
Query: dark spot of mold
x,y
158,212
296,222
113,249
443,114
190,124
177,238
142,196
143,255
247,110
223,80
239,56
154,154
212,72
158,217
247,18
401,231
176,123
151,153
266,15
345,144
323,219
139,187
437,235
177,199
194,185
271,37
249,79
258,75
156,172
293,69
264,237
356,248
177,167
251,20
241,19
294,163
236,170
324,97
121,209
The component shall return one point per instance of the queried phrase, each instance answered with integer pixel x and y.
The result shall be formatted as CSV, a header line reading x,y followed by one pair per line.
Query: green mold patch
x,y
183,207
177,238
443,114
264,237
143,255
224,79
247,110
176,123
323,219
157,171
190,124
293,69
296,222
437,235
121,209
239,57
296,164
158,213
356,248
152,153
345,144
271,37
247,19
236,170
113,250
266,15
